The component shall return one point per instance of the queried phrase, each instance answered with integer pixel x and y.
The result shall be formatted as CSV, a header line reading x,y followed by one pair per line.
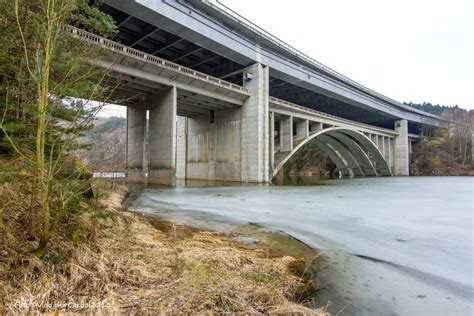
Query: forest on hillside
x,y
430,108
106,145
444,152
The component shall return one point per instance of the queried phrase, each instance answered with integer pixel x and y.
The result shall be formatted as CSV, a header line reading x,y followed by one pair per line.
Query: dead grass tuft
x,y
134,267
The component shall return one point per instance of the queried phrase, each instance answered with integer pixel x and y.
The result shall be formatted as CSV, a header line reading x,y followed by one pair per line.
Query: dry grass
x,y
136,267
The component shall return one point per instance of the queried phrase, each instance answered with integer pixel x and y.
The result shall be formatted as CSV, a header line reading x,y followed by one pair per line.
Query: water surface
x,y
395,246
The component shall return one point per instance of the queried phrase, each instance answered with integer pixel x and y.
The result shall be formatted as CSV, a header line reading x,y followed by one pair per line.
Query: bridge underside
x,y
182,124
158,41
131,91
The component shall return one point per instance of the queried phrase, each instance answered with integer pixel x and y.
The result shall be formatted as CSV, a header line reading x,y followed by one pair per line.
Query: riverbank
x,y
367,231
141,265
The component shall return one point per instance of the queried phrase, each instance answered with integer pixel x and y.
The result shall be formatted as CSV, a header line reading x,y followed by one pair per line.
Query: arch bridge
x,y
211,96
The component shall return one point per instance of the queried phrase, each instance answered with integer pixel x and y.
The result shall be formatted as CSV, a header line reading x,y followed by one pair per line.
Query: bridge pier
x,y
255,134
272,140
401,149
135,151
181,144
212,146
162,137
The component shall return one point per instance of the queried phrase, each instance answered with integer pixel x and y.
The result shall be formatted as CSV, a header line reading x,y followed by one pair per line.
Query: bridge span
x,y
211,96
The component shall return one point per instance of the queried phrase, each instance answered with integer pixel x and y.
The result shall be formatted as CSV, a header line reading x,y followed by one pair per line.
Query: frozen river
x,y
395,246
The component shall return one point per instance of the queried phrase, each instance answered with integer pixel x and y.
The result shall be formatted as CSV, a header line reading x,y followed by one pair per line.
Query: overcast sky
x,y
409,50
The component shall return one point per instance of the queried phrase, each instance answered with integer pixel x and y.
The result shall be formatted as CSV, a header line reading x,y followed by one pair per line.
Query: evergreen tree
x,y
43,82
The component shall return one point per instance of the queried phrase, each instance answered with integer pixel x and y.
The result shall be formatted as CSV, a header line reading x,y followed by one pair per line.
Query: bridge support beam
x,y
181,147
315,127
401,154
272,140
286,133
255,132
136,125
302,129
162,137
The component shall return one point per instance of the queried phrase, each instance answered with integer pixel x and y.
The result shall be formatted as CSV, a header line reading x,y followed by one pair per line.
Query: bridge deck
x,y
141,73
288,108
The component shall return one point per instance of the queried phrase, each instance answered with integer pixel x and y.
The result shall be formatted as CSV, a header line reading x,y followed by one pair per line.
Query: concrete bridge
x,y
211,96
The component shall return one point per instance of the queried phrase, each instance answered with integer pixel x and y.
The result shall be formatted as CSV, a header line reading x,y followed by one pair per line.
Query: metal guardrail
x,y
272,38
123,49
328,116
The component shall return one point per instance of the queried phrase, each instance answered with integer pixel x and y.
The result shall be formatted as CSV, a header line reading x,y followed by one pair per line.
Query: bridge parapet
x,y
163,63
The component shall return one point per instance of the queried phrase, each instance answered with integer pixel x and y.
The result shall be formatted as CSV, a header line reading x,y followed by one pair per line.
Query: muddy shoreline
x,y
267,243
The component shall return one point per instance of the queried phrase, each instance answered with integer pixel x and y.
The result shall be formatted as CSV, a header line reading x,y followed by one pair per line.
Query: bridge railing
x,y
125,50
301,108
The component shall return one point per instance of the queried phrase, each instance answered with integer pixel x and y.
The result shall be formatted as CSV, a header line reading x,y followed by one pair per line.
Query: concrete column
x,y
302,129
181,144
255,133
272,140
380,143
225,146
162,137
374,139
197,151
315,126
136,125
390,149
286,133
385,150
211,172
401,150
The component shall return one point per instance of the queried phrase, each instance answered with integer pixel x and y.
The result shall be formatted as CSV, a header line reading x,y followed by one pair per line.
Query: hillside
x,y
107,142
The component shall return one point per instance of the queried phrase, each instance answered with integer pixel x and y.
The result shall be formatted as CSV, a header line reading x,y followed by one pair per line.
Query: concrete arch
x,y
338,147
335,157
353,153
363,160
366,143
